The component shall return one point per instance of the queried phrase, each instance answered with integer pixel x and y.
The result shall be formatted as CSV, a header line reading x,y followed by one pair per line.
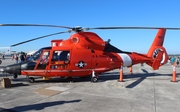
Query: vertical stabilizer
x,y
158,41
157,52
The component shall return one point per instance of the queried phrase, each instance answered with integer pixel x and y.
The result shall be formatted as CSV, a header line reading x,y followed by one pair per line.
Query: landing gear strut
x,y
94,78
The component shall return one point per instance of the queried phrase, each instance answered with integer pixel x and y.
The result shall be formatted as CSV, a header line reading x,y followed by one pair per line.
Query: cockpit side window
x,y
45,57
37,54
44,61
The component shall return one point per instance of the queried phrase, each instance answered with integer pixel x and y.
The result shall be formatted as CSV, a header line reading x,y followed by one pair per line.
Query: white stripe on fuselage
x,y
127,61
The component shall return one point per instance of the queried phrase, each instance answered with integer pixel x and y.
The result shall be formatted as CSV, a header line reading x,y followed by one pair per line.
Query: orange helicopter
x,y
85,54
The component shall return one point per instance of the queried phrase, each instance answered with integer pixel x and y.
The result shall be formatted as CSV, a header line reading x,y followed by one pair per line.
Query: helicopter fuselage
x,y
71,63
85,54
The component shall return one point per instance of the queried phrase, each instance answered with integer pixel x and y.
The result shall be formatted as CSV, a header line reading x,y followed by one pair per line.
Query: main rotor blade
x,y
35,25
132,27
38,38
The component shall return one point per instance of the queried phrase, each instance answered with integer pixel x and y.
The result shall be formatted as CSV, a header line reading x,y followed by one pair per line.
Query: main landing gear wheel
x,y
94,79
15,76
31,79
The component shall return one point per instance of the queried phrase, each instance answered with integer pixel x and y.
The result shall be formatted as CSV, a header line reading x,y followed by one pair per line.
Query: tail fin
x,y
157,52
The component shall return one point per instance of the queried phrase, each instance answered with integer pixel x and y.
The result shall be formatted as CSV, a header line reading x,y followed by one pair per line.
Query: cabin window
x,y
61,55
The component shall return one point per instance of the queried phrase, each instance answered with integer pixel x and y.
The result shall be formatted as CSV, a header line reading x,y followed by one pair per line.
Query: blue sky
x,y
91,13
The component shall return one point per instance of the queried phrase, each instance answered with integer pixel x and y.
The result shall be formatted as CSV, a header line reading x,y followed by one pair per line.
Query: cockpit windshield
x,y
37,54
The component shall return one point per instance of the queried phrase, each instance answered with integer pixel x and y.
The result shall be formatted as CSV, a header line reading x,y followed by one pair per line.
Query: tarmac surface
x,y
145,90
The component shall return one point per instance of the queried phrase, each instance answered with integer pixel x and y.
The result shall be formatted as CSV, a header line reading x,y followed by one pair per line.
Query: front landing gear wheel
x,y
31,79
94,79
15,76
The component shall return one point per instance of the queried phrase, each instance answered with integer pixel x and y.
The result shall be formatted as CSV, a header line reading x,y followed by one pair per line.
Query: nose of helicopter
x,y
13,69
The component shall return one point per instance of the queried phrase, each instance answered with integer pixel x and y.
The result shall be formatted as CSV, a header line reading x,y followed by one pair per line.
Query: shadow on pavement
x,y
19,84
36,107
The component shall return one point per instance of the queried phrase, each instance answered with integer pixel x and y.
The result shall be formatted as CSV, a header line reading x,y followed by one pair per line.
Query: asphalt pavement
x,y
145,90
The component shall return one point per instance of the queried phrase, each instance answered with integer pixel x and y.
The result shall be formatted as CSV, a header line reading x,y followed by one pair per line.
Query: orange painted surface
x,y
85,51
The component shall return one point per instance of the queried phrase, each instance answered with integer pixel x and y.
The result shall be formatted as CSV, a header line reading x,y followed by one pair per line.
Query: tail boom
x,y
156,56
